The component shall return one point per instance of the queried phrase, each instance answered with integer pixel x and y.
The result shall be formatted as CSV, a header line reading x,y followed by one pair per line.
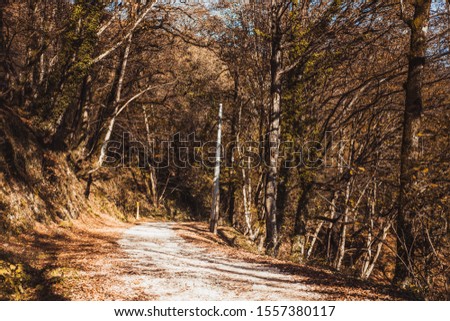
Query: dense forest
x,y
334,121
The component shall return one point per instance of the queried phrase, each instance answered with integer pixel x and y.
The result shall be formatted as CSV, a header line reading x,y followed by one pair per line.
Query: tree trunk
x,y
153,180
82,123
246,178
117,98
282,195
370,263
372,212
272,150
331,225
4,69
67,93
230,153
301,214
314,239
343,236
409,155
215,206
246,194
70,120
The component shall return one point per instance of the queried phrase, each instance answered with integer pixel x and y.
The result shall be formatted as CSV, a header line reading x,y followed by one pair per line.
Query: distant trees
x,y
337,79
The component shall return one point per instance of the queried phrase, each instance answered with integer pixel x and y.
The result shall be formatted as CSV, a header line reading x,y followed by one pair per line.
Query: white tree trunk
x,y
153,183
343,237
369,241
117,97
246,193
330,227
342,241
368,271
216,195
313,241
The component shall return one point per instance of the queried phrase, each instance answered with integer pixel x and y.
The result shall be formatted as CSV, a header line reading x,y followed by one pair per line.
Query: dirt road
x,y
170,268
168,261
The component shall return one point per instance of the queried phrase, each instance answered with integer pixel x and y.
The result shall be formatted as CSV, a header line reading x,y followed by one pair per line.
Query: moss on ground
x,y
21,282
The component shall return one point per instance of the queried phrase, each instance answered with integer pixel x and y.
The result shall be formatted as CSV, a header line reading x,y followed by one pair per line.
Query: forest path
x,y
167,267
